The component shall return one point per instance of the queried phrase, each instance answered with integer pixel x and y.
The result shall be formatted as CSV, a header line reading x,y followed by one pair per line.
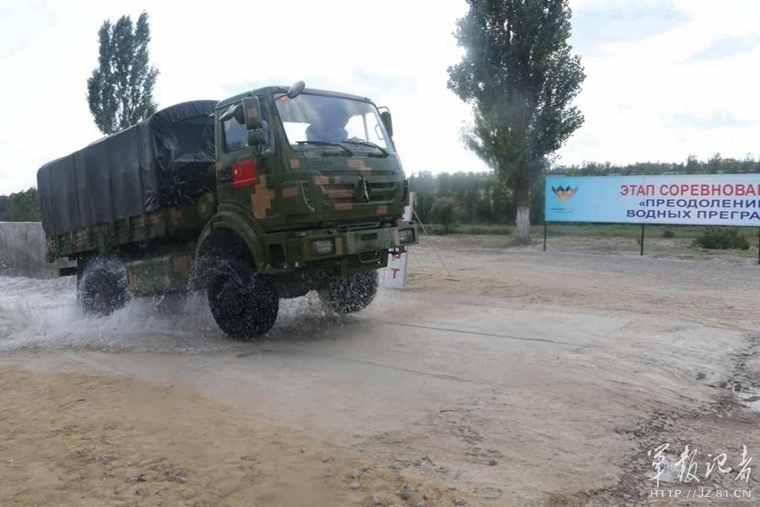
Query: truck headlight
x,y
323,247
406,235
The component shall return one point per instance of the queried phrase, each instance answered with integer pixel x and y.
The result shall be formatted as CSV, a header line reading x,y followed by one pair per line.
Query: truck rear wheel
x,y
102,287
350,294
244,303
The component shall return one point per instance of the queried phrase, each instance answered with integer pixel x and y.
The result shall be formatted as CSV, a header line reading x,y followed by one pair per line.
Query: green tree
x,y
715,164
5,208
424,186
501,201
20,206
120,89
444,212
692,165
520,77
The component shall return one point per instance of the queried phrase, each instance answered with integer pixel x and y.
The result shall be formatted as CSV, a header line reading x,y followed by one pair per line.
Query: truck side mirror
x,y
295,90
257,137
252,113
387,121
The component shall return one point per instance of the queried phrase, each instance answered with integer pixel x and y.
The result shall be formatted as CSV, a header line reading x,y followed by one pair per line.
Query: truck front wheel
x,y
352,293
102,288
244,303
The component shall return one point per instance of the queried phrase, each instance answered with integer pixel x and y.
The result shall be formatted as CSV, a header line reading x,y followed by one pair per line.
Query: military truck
x,y
267,195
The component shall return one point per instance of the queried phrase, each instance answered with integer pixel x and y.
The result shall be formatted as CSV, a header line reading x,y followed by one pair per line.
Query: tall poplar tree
x,y
520,77
120,89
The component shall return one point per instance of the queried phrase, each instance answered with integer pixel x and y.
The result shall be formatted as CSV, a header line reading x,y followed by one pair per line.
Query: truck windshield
x,y
321,119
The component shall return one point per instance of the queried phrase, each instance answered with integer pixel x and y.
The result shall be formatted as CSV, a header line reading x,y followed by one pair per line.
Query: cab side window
x,y
235,136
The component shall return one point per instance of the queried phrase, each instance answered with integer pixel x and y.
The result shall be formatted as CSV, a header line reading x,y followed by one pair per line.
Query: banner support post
x,y
544,234
642,240
758,246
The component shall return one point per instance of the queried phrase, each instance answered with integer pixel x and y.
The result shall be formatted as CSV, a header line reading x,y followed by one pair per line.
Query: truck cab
x,y
317,165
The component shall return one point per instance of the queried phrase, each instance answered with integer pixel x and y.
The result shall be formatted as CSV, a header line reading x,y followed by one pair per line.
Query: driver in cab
x,y
330,125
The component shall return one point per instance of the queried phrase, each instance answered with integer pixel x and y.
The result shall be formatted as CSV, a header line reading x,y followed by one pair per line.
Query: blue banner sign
x,y
694,199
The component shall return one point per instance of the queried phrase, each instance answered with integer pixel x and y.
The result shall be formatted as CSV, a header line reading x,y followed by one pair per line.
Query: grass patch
x,y
660,238
470,229
434,229
483,229
630,231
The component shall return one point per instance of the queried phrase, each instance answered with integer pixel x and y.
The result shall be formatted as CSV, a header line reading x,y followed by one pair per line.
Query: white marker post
x,y
394,274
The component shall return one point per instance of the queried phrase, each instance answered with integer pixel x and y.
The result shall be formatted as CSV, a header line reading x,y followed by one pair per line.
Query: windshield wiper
x,y
327,143
373,145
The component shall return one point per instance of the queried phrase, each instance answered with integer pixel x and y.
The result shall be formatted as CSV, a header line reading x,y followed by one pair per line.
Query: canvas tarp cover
x,y
127,173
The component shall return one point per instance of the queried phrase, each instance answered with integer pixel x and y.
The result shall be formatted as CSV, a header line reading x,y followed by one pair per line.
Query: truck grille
x,y
348,192
358,226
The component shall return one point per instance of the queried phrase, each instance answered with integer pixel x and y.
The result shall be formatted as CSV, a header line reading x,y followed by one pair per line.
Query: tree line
x,y
20,206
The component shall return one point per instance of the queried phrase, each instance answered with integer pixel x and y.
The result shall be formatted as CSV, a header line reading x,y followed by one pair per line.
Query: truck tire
x,y
244,303
350,294
102,288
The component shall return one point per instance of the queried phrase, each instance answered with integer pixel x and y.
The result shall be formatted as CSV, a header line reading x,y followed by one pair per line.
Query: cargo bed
x,y
130,186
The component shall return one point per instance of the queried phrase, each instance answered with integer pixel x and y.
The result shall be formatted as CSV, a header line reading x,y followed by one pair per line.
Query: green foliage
x,y
715,165
445,213
20,207
667,233
480,197
721,238
520,77
120,90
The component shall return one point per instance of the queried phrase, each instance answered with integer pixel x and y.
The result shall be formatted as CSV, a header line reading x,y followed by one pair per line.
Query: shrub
x,y
668,234
446,213
716,238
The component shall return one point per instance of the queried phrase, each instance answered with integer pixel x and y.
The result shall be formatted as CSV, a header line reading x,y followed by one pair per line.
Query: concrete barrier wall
x,y
22,251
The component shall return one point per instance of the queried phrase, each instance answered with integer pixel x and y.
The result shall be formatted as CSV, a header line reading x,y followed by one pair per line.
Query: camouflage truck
x,y
263,196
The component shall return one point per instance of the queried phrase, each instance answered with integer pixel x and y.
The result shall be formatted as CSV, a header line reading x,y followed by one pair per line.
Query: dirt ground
x,y
498,376
75,439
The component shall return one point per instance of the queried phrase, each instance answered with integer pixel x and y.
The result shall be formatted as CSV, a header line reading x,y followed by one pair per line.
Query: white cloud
x,y
654,82
633,90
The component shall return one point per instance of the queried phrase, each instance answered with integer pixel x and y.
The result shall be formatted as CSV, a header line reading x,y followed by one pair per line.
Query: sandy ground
x,y
75,439
503,376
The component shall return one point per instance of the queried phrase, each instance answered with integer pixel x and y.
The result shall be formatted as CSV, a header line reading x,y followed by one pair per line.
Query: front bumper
x,y
352,251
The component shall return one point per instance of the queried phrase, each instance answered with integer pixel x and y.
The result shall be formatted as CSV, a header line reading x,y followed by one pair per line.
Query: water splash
x,y
38,314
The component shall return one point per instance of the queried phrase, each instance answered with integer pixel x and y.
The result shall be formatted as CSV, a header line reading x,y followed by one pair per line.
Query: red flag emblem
x,y
244,173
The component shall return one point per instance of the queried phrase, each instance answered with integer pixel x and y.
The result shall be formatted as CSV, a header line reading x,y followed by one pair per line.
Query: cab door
x,y
246,175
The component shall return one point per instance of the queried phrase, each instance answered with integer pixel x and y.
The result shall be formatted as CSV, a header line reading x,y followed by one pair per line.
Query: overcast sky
x,y
665,78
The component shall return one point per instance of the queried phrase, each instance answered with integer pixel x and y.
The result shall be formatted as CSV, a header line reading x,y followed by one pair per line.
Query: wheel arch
x,y
225,234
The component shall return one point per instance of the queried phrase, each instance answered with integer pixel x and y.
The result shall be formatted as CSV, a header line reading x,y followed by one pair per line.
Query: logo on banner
x,y
564,194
